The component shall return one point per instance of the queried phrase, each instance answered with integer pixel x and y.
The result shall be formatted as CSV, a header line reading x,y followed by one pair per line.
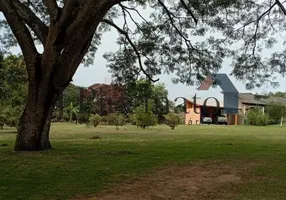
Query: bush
x,y
11,116
263,120
257,118
104,120
144,119
132,119
83,118
172,120
95,120
114,119
66,117
121,120
275,111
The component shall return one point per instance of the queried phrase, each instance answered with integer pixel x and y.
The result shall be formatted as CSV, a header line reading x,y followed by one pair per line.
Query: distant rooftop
x,y
249,98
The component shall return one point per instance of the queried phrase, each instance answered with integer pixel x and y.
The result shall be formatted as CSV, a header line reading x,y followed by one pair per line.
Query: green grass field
x,y
82,166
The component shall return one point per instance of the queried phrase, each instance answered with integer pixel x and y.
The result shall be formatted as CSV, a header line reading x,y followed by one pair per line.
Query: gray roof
x,y
248,98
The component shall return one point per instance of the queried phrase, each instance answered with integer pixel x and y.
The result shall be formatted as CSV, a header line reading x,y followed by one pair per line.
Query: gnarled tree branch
x,y
190,12
21,33
281,6
28,16
53,10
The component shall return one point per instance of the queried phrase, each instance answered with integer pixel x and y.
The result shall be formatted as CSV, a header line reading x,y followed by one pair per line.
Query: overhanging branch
x,y
133,46
21,33
281,6
28,16
53,9
190,12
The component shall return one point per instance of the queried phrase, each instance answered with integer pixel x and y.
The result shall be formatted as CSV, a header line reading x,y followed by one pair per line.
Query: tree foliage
x,y
72,112
278,94
144,118
13,89
95,120
71,95
105,99
172,120
257,117
276,112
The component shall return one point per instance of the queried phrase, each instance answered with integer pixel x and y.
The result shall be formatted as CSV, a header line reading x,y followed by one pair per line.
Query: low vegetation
x,y
172,120
257,117
95,120
144,118
80,166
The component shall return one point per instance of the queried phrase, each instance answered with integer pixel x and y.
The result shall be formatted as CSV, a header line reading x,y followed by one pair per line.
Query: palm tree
x,y
72,111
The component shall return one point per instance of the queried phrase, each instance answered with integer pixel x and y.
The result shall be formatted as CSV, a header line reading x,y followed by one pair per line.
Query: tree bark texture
x,y
34,127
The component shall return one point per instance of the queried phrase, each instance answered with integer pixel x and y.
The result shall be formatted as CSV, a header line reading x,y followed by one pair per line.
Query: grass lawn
x,y
82,166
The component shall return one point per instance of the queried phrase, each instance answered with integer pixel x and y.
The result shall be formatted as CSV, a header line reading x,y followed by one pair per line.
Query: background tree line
x,y
116,104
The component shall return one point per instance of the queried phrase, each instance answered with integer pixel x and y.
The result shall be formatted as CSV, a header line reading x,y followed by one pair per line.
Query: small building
x,y
196,111
248,101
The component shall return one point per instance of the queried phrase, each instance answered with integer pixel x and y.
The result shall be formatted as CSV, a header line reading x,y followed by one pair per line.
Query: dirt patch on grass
x,y
180,182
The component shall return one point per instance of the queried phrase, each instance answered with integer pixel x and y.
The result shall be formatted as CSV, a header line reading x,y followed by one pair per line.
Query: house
x,y
196,111
247,101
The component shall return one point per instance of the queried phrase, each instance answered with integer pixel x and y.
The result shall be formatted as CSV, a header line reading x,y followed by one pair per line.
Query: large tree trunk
x,y
65,43
34,127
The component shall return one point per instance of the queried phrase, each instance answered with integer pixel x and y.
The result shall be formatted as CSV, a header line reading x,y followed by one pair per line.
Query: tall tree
x,y
67,30
106,99
276,112
13,89
279,94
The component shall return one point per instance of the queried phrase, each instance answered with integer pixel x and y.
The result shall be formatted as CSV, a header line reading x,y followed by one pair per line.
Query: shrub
x,y
115,119
144,119
275,111
95,120
263,120
111,119
104,119
83,118
121,120
12,116
257,118
66,117
132,119
172,120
